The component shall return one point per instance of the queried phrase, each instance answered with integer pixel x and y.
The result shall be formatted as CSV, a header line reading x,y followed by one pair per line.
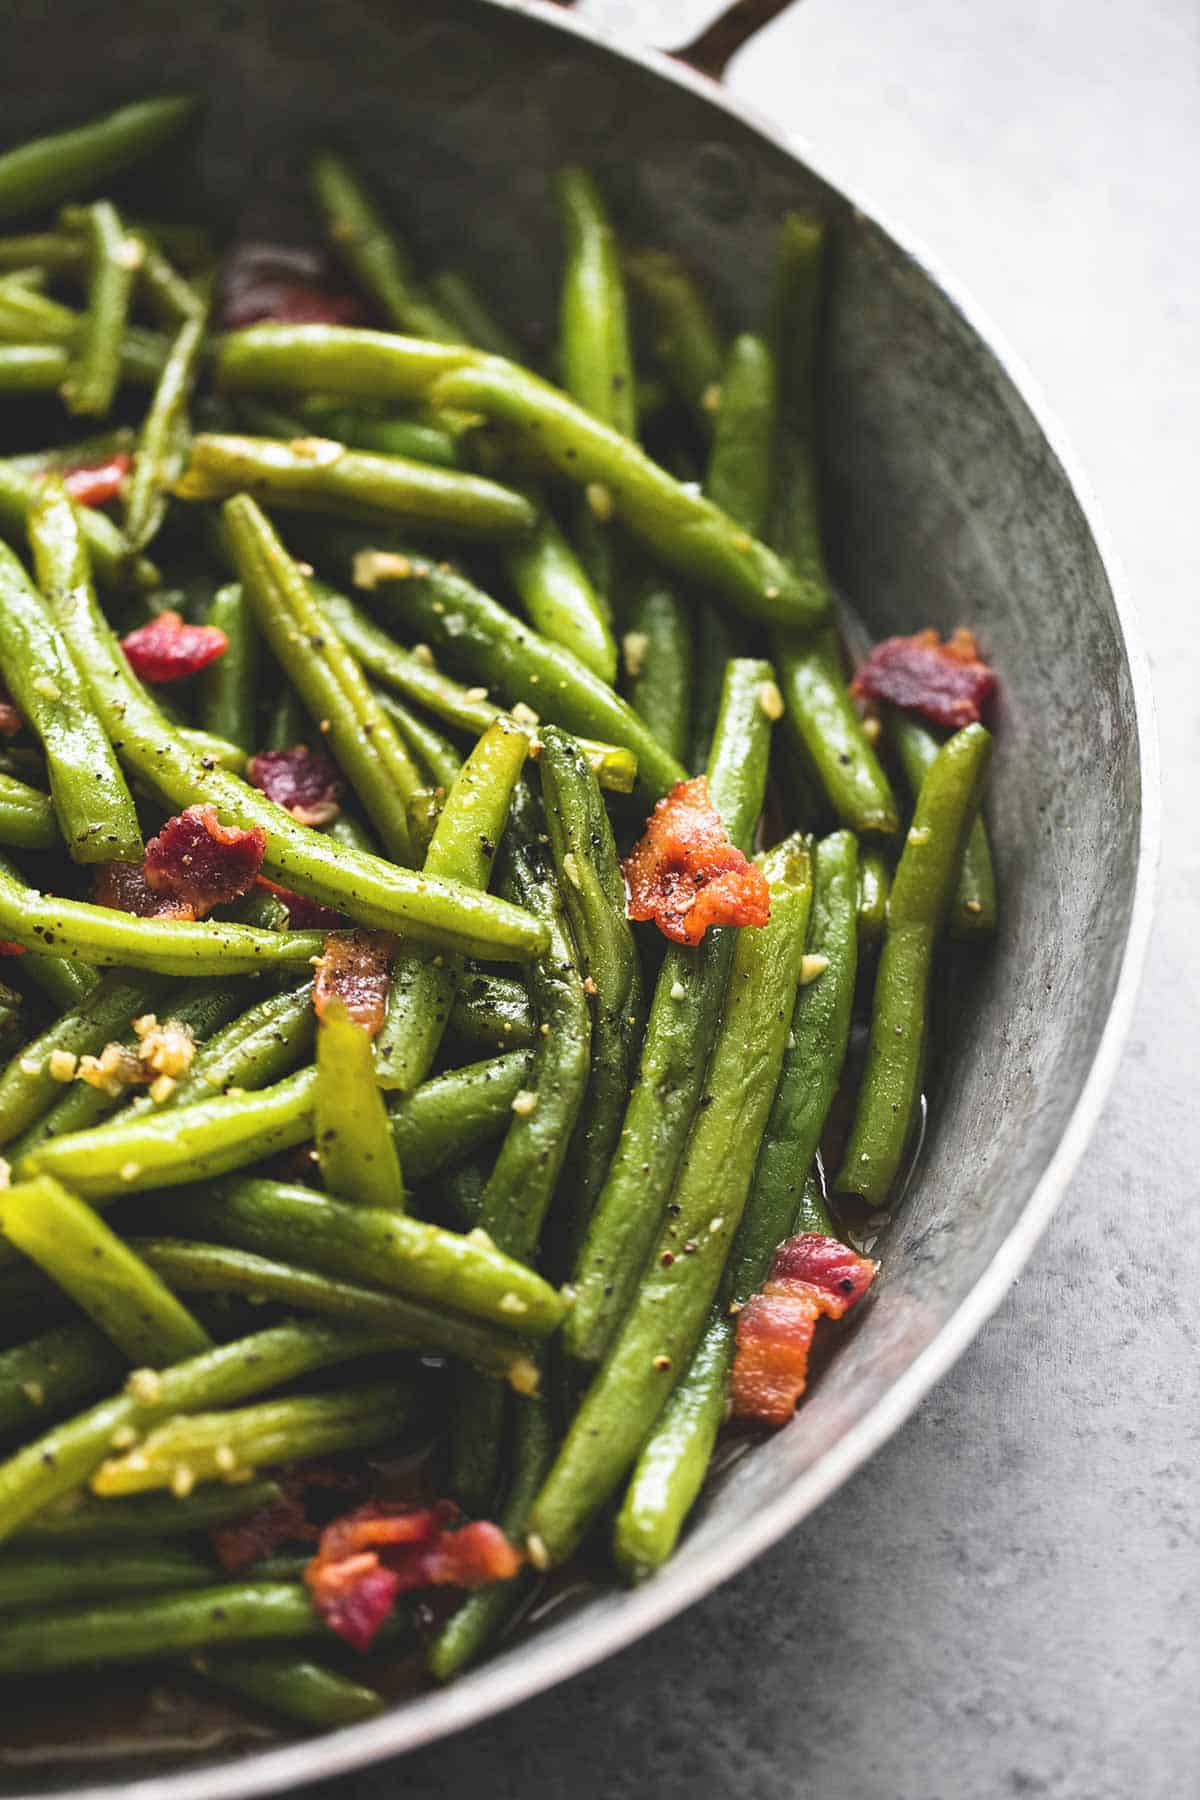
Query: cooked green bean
x,y
922,890
373,892
387,1249
658,655
356,1149
102,1275
111,554
559,599
231,683
288,721
374,255
113,258
192,1268
79,1518
37,1581
342,360
593,889
822,714
973,908
715,646
171,298
58,252
491,1012
30,318
257,1048
32,368
687,532
462,848
293,1685
660,1331
46,1377
361,429
27,817
594,349
40,173
214,1446
318,475
159,455
440,760
455,1114
738,477
94,807
687,342
874,885
461,301
684,1013
481,637
66,1455
98,447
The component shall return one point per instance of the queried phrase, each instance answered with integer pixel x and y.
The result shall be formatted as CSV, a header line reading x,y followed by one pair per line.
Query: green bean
x,y
714,648
32,318
796,296
159,456
61,1368
189,1143
101,1274
362,430
491,1012
684,530
425,742
559,599
874,884
812,1214
27,1085
32,368
37,1581
375,257
738,478
101,936
59,252
146,1628
460,1193
658,664
386,1249
94,807
98,447
469,1629
456,705
355,1146
171,298
325,674
80,1518
214,1446
822,714
292,1685
40,173
319,475
231,683
593,888
684,1014
973,908
214,752
27,819
111,554
63,1457
455,1114
424,809
597,362
462,848
91,382
259,1047
483,638
289,721
687,343
663,1326
66,984
476,324
922,890
188,1267
347,361
373,892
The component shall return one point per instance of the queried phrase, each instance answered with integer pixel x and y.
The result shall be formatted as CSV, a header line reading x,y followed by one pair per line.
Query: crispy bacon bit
x,y
811,1277
264,1531
946,683
11,720
303,915
198,860
166,649
8,948
273,281
95,484
355,969
301,780
686,875
380,1550
124,887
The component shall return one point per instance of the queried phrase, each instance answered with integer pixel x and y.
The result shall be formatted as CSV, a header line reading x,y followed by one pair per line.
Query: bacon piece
x,y
11,719
198,860
283,1520
124,887
369,1556
303,914
8,948
166,649
355,969
301,780
273,281
811,1277
946,683
95,484
686,875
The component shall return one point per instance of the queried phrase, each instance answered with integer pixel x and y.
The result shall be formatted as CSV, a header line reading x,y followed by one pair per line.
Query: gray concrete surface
x,y
1006,1601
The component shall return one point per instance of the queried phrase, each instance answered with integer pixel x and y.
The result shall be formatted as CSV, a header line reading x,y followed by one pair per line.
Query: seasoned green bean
x,y
385,433
159,455
822,714
558,598
658,654
738,477
461,301
374,255
491,1012
113,259
49,1580
342,360
44,1378
292,1685
687,343
973,908
874,885
43,171
455,1114
80,1518
32,368
110,552
438,756
27,817
257,1048
715,646
594,348
95,810
356,1149
231,683
920,899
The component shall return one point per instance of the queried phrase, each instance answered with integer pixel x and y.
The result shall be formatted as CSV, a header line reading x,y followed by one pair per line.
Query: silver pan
x,y
951,500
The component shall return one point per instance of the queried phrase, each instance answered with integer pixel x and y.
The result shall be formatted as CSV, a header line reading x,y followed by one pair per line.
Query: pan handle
x,y
712,50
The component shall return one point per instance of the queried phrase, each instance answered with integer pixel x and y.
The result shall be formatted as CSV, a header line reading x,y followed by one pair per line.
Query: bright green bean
x,y
159,455
687,342
822,714
342,360
81,1518
32,368
43,171
658,651
361,429
95,370
874,885
558,598
374,255
594,348
111,555
438,756
44,1378
231,683
27,1085
973,908
356,1149
293,1685
461,301
738,477
27,818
